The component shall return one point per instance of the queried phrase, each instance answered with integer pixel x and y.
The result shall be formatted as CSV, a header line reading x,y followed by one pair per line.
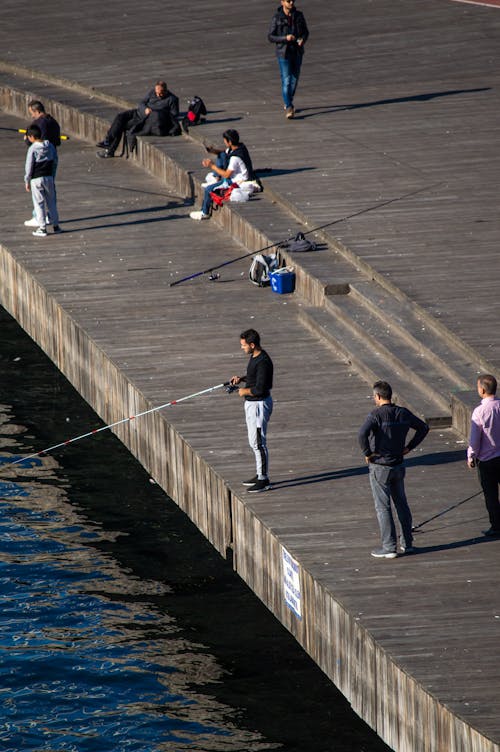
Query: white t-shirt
x,y
239,172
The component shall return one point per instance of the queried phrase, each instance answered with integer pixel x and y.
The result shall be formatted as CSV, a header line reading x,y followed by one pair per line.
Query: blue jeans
x,y
290,72
388,483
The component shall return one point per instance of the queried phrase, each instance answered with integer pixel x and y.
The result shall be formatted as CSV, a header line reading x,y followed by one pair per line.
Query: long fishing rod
x,y
119,422
307,232
63,137
23,130
448,509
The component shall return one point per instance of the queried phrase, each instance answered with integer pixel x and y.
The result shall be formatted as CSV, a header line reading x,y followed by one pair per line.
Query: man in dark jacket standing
x,y
382,438
288,31
156,115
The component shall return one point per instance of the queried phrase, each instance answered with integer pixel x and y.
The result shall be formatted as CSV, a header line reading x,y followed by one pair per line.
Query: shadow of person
x,y
129,212
304,480
436,458
328,109
450,546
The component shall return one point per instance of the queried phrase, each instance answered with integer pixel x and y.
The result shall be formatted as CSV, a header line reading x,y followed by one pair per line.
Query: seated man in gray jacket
x,y
156,115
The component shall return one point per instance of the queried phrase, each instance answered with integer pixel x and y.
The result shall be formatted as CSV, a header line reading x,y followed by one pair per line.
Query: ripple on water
x,y
88,662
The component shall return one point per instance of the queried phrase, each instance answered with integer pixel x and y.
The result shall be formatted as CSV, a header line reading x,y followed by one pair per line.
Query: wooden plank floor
x,y
125,236
398,101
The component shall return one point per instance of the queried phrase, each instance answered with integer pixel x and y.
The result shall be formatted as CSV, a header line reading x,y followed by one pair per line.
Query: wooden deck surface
x,y
398,102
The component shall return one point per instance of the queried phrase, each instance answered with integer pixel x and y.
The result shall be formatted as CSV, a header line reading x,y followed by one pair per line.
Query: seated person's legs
x,y
120,124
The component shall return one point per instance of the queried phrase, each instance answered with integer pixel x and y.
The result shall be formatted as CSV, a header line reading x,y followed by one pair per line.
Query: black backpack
x,y
195,114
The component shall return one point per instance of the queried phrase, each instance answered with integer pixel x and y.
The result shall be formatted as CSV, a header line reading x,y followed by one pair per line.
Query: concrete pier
x,y
392,292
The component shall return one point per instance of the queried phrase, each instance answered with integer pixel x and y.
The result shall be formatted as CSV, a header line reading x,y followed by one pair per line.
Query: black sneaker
x,y
56,229
408,549
380,553
491,533
261,485
250,482
103,145
106,154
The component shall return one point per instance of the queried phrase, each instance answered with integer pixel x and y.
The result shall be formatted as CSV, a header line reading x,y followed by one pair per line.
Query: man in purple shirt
x,y
484,447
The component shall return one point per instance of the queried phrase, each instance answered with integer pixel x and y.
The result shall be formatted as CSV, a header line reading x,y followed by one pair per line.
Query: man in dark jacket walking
x,y
156,115
288,31
382,438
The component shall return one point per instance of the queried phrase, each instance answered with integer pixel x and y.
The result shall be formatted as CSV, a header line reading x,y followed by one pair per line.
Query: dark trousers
x,y
489,477
124,121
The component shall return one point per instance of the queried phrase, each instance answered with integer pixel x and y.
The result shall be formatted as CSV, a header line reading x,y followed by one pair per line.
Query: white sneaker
x,y
199,215
40,233
31,222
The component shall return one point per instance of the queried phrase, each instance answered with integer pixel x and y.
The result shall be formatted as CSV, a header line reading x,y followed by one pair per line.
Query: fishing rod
x,y
23,130
212,269
448,509
227,384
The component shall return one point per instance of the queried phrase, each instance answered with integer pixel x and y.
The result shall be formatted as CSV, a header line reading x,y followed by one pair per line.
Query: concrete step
x,y
456,362
373,361
381,321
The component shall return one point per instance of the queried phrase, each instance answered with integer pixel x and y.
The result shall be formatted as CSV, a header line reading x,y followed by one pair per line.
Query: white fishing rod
x,y
117,423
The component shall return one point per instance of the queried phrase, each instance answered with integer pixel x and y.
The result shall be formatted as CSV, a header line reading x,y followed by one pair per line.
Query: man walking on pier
x,y
484,447
288,31
258,405
382,438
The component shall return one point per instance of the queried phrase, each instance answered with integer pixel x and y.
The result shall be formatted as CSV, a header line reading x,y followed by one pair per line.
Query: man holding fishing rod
x,y
258,405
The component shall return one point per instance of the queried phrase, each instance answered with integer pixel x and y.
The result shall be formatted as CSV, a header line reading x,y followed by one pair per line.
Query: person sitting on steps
x,y
239,170
156,115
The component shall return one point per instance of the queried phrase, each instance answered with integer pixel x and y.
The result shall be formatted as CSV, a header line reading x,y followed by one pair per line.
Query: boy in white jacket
x,y
41,161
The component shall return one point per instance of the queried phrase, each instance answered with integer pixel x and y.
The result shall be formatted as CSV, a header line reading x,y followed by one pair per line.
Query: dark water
x,y
120,627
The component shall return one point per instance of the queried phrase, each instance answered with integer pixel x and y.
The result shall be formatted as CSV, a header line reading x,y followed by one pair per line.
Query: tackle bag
x,y
222,194
261,267
298,244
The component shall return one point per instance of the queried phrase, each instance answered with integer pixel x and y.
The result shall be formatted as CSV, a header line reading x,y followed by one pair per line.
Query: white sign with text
x,y
291,583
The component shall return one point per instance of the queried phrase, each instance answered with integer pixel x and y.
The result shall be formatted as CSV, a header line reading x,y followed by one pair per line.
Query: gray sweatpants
x,y
43,193
257,416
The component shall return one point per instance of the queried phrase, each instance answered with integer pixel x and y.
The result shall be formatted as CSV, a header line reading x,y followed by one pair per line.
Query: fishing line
x,y
448,509
307,232
116,423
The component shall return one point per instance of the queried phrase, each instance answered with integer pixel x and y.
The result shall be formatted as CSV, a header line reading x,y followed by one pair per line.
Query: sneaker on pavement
x,y
290,112
261,485
198,215
106,154
380,553
40,233
491,533
103,144
408,549
251,481
31,222
57,229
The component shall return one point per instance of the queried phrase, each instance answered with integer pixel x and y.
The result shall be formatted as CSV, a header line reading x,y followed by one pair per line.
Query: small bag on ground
x,y
298,244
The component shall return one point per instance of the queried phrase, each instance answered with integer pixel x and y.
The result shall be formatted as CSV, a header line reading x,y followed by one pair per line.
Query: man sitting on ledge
x,y
156,115
239,170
